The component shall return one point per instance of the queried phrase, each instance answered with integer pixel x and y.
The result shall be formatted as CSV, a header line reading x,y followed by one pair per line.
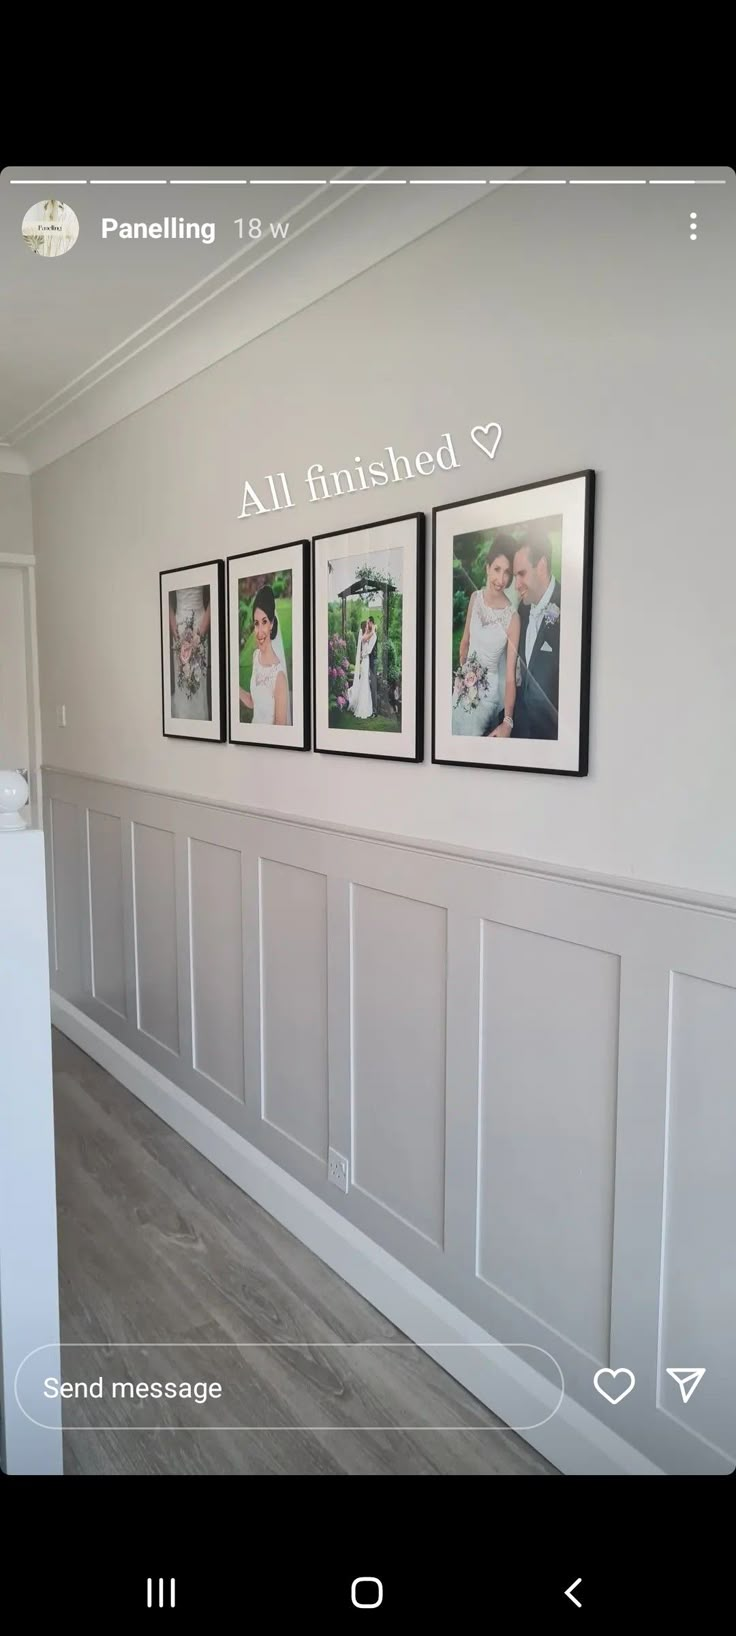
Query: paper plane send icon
x,y
687,1380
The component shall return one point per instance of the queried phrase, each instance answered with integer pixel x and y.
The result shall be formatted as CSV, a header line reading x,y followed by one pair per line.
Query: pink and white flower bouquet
x,y
191,658
471,683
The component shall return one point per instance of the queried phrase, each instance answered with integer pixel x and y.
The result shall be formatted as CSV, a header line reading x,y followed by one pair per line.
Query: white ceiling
x,y
90,336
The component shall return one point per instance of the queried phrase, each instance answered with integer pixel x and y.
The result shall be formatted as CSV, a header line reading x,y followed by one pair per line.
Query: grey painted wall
x,y
16,524
514,1063
587,324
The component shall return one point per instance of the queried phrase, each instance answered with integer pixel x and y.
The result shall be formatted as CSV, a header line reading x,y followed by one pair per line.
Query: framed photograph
x,y
369,640
511,595
193,651
268,628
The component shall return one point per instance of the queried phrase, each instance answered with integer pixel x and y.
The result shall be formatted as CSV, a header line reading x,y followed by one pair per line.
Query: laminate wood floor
x,y
156,1245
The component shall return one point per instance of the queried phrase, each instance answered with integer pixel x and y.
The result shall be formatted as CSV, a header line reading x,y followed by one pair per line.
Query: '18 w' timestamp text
x,y
256,229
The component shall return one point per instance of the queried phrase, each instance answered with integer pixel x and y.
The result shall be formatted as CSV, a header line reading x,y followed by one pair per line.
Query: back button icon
x,y
571,1590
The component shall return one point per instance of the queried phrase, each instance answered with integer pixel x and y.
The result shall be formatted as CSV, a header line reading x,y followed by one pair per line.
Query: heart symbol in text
x,y
492,426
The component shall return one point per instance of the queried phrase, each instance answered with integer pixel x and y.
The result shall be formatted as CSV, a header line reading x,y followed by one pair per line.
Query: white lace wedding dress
x,y
360,702
263,690
488,640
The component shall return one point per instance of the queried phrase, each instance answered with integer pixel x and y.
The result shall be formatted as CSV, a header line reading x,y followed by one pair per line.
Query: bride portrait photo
x,y
264,608
267,646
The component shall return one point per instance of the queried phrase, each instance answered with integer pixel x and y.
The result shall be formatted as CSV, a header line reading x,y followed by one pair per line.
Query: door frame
x,y
26,562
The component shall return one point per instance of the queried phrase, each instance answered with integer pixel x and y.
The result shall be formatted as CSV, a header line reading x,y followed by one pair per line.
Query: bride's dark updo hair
x,y
267,602
504,545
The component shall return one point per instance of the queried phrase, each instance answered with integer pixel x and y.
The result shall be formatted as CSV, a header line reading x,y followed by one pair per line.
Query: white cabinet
x,y
30,1426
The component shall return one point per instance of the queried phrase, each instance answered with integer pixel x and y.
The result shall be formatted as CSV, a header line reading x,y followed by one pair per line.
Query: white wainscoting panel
x,y
293,947
67,902
700,1208
548,1129
106,910
399,979
216,944
530,1073
154,919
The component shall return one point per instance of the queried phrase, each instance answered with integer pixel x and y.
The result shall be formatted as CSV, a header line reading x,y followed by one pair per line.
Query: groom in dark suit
x,y
538,663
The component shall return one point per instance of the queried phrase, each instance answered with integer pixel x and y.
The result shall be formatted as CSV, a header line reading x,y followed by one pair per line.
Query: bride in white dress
x,y
269,681
189,618
360,702
489,641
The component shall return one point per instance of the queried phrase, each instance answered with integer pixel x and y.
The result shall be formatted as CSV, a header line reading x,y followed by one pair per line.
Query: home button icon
x,y
366,1593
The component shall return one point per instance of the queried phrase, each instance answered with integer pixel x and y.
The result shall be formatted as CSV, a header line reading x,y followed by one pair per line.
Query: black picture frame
x,y
580,770
302,736
217,721
416,736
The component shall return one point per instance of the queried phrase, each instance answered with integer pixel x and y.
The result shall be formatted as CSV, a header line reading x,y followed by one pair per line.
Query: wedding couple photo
x,y
507,615
368,639
364,648
512,579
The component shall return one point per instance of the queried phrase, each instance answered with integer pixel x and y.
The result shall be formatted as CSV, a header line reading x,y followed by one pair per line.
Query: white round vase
x,y
13,797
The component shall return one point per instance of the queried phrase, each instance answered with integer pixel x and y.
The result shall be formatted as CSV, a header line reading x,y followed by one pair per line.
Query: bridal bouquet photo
x,y
191,658
193,651
471,682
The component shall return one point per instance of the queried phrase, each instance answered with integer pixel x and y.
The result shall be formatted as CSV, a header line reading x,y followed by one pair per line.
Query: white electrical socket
x,y
61,715
337,1170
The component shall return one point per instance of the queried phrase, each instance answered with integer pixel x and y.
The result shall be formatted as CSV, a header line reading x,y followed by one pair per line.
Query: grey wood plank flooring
x,y
157,1246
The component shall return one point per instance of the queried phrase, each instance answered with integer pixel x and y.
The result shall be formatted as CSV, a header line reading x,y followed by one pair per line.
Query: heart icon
x,y
612,1375
492,426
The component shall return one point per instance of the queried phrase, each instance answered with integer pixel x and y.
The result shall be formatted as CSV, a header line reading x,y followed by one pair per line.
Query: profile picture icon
x,y
50,228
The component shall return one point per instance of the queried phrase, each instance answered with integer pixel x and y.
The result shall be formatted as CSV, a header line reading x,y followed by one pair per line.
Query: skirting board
x,y
571,1438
